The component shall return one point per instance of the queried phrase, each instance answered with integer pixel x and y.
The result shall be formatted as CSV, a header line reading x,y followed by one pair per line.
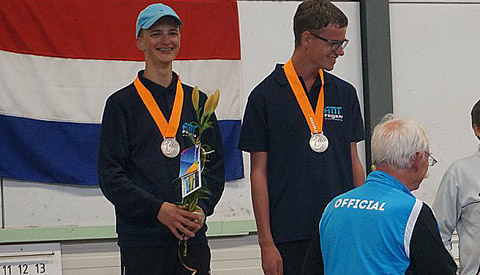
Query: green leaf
x,y
192,139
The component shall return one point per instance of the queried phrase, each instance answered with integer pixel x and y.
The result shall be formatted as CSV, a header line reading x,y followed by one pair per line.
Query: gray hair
x,y
395,141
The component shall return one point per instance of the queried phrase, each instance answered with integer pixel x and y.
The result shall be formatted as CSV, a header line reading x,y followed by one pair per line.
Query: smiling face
x,y
320,52
161,42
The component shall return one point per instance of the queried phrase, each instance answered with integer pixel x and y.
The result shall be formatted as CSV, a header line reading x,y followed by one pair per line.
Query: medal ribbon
x,y
168,130
314,120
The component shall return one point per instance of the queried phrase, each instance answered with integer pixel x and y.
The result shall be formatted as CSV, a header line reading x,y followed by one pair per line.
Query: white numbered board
x,y
31,259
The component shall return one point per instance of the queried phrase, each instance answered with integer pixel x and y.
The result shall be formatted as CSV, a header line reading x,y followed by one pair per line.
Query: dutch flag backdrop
x,y
61,59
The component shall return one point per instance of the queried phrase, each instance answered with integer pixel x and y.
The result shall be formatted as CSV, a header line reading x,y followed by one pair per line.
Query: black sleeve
x,y
313,263
215,168
113,154
428,255
254,134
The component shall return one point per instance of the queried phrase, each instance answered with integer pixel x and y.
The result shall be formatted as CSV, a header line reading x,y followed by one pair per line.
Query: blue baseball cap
x,y
151,14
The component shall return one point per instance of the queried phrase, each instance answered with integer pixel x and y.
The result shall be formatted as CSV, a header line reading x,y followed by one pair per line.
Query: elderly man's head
x,y
401,145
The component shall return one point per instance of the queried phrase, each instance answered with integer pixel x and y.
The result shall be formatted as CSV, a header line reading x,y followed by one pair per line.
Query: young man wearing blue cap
x,y
139,158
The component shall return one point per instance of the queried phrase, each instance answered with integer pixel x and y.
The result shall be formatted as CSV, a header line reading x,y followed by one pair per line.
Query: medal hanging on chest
x,y
169,146
318,141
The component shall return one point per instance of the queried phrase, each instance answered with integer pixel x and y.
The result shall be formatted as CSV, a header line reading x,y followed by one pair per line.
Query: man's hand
x,y
272,263
179,220
199,220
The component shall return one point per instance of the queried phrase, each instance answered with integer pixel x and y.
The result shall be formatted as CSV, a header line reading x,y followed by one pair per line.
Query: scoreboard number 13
x,y
31,259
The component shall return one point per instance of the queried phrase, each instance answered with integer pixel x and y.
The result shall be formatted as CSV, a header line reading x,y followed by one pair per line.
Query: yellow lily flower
x,y
195,98
212,103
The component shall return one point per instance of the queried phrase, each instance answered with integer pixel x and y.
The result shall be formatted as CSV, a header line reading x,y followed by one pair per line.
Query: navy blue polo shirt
x,y
301,182
133,173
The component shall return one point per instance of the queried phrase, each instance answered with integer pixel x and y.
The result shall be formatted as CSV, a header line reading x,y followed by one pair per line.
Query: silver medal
x,y
318,142
170,147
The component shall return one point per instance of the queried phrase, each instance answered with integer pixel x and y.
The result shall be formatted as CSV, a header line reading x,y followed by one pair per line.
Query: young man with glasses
x,y
301,127
457,205
380,227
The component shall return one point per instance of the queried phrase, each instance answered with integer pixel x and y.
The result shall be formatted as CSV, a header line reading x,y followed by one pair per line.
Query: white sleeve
x,y
447,207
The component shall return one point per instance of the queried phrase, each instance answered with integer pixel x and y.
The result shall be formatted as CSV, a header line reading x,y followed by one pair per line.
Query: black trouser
x,y
293,255
164,260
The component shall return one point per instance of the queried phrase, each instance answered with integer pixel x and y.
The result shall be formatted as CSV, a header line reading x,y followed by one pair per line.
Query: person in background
x,y
301,127
139,159
457,205
380,227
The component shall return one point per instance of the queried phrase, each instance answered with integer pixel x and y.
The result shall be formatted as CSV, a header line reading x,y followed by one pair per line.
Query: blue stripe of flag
x,y
64,152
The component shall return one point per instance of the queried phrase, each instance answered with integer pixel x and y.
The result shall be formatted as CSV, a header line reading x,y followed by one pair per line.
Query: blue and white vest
x,y
368,229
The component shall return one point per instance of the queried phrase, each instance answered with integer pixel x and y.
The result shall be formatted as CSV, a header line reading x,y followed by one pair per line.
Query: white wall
x,y
435,64
233,256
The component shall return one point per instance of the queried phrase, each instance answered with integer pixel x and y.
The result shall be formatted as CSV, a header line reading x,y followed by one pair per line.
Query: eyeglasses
x,y
334,44
431,160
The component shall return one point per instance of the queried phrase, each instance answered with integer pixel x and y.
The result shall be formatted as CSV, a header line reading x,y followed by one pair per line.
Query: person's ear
x,y
476,130
140,42
306,37
417,160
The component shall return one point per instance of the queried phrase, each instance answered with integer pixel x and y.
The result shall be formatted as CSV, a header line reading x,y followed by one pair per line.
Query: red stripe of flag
x,y
105,29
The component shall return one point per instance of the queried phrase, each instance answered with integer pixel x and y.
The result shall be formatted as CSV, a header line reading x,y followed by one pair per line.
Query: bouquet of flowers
x,y
203,122
203,115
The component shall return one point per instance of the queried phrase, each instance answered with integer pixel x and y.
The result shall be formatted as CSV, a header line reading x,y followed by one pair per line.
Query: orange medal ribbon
x,y
168,130
314,120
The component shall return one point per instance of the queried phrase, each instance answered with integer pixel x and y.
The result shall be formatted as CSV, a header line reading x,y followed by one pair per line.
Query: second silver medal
x,y
318,142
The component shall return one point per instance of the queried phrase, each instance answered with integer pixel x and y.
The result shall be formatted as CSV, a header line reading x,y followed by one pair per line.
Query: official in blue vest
x,y
380,227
